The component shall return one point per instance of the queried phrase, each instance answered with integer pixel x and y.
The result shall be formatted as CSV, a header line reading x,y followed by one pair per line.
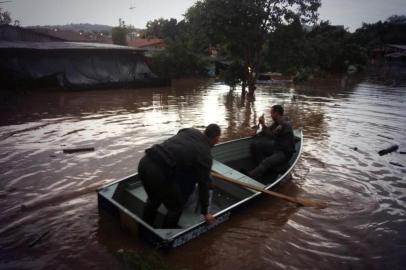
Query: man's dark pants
x,y
160,188
265,157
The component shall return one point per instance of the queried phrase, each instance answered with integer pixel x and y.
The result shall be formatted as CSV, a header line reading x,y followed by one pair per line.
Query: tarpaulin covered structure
x,y
74,65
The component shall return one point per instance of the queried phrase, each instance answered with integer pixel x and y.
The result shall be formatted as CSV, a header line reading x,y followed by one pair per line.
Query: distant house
x,y
147,43
74,36
73,65
395,51
389,52
70,60
16,33
134,33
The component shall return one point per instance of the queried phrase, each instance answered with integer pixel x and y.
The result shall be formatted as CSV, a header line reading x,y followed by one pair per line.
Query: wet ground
x,y
49,217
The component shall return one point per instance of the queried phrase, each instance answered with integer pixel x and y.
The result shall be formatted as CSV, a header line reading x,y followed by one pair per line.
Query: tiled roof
x,y
145,42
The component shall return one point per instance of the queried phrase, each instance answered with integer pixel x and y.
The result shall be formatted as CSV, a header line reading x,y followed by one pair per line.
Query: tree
x,y
178,61
396,19
376,35
5,17
242,26
185,53
162,28
332,49
119,34
287,48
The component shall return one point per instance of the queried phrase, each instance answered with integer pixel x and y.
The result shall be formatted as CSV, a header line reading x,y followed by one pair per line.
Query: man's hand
x,y
261,120
277,130
209,218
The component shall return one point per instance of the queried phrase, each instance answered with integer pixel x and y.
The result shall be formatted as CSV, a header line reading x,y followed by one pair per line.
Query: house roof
x,y
145,42
17,33
74,36
55,45
67,35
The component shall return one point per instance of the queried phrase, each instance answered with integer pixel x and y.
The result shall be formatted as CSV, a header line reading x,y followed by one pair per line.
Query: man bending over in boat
x,y
277,146
169,172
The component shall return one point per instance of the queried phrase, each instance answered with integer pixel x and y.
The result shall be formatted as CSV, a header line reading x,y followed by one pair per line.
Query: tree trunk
x,y
251,83
243,86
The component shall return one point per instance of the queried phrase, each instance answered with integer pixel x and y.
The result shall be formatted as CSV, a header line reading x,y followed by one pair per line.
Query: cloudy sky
x,y
350,13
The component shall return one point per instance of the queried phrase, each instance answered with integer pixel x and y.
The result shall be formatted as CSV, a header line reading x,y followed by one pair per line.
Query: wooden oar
x,y
300,201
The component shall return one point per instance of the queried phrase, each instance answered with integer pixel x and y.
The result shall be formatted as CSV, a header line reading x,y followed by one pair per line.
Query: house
x,y
74,65
16,33
147,43
74,36
395,51
38,34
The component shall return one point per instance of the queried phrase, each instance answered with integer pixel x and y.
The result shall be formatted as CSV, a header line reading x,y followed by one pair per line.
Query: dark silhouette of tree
x,y
119,34
162,28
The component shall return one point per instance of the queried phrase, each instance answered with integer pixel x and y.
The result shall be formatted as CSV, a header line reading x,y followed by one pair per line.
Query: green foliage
x,y
391,31
287,49
241,27
326,48
334,48
161,28
234,74
265,35
119,35
185,53
195,29
177,61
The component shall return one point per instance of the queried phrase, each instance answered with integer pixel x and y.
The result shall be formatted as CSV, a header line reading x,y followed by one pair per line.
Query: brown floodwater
x,y
49,215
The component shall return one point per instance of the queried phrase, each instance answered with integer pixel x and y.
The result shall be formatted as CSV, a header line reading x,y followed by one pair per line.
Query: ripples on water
x,y
345,121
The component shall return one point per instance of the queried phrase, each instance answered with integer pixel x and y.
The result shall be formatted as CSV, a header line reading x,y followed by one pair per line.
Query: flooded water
x,y
49,216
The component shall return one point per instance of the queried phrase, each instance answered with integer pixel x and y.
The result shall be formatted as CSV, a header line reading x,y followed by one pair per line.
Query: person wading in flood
x,y
169,172
276,148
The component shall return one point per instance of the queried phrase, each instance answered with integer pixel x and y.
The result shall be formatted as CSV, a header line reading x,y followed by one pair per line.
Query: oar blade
x,y
311,203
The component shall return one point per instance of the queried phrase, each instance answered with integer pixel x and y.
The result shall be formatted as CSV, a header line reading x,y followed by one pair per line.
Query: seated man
x,y
169,172
278,144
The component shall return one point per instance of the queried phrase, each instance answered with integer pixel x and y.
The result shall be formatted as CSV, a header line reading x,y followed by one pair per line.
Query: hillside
x,y
83,27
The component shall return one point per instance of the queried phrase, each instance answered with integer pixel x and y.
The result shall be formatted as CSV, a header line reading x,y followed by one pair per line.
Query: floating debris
x,y
74,150
35,241
396,164
388,150
386,137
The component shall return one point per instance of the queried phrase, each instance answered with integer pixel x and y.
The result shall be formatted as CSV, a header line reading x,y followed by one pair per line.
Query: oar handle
x,y
300,201
253,187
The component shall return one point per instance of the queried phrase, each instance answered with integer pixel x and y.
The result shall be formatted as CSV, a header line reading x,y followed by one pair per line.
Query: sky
x,y
350,13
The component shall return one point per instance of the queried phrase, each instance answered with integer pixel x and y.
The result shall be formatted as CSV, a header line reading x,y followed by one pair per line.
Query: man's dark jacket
x,y
283,135
187,158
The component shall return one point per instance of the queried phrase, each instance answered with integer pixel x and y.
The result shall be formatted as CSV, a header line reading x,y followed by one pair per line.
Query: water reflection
x,y
346,121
